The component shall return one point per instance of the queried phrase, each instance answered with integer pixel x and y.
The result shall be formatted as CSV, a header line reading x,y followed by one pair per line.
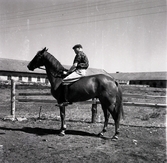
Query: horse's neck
x,y
53,68
52,63
54,81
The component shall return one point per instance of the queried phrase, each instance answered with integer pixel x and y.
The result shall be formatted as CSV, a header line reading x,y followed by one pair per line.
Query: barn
x,y
150,79
17,70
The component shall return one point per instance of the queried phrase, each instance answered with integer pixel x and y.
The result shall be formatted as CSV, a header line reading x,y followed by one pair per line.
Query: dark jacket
x,y
82,61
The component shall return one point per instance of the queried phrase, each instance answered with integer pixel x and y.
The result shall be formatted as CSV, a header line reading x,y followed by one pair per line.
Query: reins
x,y
41,68
56,76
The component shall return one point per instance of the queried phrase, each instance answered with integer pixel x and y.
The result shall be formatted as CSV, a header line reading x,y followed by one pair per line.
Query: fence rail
x,y
34,94
125,95
90,102
142,96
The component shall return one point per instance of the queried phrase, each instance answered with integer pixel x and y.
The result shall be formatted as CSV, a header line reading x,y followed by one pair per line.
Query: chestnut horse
x,y
101,86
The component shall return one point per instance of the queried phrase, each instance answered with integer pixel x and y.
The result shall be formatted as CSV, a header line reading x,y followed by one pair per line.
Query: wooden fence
x,y
94,102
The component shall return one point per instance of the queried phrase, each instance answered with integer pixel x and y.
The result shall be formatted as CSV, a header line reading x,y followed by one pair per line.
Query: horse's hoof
x,y
62,134
100,135
114,138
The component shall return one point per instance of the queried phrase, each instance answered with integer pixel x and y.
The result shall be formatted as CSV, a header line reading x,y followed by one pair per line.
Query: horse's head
x,y
37,61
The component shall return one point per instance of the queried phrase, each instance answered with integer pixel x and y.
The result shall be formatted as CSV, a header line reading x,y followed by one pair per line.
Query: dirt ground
x,y
142,135
35,141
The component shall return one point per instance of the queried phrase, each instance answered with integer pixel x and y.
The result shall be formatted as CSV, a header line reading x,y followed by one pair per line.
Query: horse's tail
x,y
119,102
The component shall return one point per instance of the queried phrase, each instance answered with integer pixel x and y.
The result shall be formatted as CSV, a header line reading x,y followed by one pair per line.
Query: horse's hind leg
x,y
115,114
106,116
116,118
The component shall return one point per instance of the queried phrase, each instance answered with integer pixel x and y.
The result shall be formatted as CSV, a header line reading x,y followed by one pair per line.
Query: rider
x,y
78,69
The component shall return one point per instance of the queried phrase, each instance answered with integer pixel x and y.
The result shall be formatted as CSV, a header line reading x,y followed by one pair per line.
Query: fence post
x,y
94,110
13,97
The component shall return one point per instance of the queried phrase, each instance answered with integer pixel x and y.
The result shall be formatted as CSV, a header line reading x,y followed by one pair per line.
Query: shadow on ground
x,y
42,131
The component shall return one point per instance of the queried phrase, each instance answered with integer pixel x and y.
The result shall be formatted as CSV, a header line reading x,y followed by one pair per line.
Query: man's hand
x,y
73,67
64,72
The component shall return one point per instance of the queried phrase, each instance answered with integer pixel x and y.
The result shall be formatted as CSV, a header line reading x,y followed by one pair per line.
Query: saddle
x,y
73,77
70,81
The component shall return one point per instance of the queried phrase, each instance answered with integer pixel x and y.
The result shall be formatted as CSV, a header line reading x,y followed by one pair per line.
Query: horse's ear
x,y
43,50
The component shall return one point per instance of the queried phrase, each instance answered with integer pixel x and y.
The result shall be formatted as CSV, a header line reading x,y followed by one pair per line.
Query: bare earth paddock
x,y
35,140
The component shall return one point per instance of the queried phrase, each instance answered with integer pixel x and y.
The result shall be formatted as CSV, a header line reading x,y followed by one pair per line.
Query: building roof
x,y
140,76
13,65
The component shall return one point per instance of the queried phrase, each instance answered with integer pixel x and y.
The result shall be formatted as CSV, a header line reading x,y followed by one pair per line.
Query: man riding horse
x,y
77,70
101,86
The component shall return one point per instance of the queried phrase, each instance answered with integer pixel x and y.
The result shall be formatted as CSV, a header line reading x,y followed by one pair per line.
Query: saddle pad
x,y
70,81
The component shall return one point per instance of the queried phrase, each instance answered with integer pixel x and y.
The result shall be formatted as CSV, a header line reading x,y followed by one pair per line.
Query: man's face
x,y
77,50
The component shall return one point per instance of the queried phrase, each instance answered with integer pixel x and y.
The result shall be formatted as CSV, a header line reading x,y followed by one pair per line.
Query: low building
x,y
151,79
17,70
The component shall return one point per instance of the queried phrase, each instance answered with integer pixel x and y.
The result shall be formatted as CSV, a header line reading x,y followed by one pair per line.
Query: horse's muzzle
x,y
30,68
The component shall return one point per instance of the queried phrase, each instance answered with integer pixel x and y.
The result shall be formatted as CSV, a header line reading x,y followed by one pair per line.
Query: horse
x,y
100,86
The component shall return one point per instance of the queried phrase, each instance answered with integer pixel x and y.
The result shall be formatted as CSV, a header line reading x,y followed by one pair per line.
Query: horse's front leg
x,y
63,124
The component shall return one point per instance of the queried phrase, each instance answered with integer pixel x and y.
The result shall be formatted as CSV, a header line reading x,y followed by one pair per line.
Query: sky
x,y
116,35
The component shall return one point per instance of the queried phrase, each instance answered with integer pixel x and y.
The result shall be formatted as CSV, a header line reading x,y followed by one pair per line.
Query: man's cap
x,y
77,46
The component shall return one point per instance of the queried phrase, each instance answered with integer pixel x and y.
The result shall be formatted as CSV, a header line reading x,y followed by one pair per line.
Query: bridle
x,y
52,73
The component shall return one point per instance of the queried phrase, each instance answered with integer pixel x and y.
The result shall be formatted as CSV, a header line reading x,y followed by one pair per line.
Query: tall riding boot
x,y
65,93
66,87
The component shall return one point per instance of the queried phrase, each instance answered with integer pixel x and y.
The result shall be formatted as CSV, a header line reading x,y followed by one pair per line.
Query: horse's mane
x,y
53,62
